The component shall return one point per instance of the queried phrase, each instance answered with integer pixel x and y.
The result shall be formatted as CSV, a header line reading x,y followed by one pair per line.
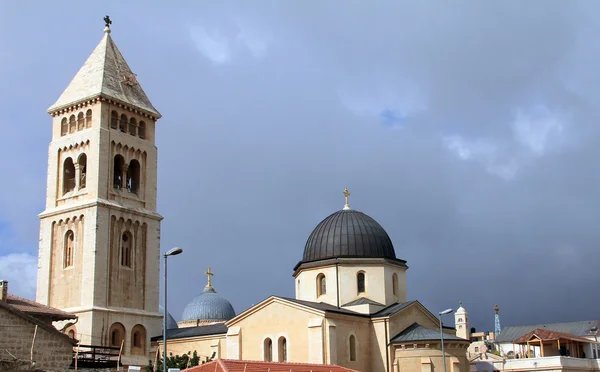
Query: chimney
x,y
3,290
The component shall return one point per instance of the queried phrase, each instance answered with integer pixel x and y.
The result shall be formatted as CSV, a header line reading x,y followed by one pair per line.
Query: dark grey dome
x,y
348,233
208,305
171,323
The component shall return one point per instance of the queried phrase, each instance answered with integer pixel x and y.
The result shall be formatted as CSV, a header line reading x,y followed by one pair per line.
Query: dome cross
x,y
209,274
346,194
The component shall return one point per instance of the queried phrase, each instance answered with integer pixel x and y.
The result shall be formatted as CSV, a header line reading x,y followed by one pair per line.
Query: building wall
x,y
204,346
427,357
51,350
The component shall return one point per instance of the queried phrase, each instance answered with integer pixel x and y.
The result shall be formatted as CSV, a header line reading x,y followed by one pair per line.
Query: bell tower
x,y
99,250
461,322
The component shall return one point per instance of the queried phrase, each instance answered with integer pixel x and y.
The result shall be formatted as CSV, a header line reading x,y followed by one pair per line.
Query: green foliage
x,y
179,361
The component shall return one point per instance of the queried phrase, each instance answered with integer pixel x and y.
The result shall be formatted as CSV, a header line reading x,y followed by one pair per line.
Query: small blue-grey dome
x,y
171,323
208,305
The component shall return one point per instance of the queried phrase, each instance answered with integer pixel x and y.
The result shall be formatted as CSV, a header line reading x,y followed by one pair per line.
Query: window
x,y
360,282
114,120
72,124
460,320
118,172
126,243
71,333
321,285
123,123
117,334
142,130
80,121
132,127
268,350
395,284
88,119
64,127
69,248
133,177
138,339
476,349
282,349
82,161
352,345
68,175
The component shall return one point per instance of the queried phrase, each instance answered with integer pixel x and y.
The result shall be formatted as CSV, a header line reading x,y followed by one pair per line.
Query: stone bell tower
x,y
99,252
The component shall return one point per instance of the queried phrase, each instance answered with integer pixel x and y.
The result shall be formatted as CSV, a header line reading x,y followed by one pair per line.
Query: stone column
x,y
124,178
77,175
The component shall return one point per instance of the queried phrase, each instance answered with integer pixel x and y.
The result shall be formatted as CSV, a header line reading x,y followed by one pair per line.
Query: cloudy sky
x,y
468,130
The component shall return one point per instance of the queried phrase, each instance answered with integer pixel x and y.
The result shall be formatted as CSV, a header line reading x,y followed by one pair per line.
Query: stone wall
x,y
51,351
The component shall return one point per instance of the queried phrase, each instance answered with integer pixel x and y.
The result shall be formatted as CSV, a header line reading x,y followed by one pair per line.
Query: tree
x,y
179,361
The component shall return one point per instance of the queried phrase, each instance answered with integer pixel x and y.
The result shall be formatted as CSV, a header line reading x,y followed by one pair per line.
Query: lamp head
x,y
174,252
447,311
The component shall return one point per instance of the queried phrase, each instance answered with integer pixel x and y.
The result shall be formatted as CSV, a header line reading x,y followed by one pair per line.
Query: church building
x,y
99,255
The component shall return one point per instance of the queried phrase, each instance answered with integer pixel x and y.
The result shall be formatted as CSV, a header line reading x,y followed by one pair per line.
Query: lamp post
x,y
172,252
447,311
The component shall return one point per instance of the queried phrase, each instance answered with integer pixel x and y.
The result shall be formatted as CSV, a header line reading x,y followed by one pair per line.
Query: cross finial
x,y
496,308
209,274
346,194
460,303
107,22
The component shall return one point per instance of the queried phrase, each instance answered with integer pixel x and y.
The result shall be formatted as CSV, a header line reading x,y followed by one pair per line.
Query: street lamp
x,y
447,311
172,252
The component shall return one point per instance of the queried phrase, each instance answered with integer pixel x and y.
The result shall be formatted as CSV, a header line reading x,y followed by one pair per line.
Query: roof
x,y
208,305
579,328
228,365
393,309
185,332
171,323
105,73
548,335
36,309
416,332
363,301
36,321
347,233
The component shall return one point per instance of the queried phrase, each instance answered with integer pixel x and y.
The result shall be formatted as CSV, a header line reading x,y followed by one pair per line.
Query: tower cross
x,y
346,194
209,274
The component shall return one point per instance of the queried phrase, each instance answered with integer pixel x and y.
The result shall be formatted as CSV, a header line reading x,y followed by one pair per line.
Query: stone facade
x,y
51,349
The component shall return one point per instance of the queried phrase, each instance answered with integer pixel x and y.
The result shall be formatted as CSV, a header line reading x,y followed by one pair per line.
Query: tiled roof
x,y
36,321
105,73
185,332
35,308
393,309
548,335
325,307
581,328
416,332
228,365
363,301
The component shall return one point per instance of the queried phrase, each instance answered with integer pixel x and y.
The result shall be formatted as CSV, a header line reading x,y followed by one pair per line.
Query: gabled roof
x,y
363,301
36,309
186,332
105,73
416,332
548,335
393,309
580,328
325,307
36,321
228,365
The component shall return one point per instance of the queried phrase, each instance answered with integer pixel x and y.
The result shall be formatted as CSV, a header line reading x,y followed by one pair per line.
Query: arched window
x,y
64,127
133,176
88,118
352,345
82,161
138,339
268,350
282,349
123,123
118,172
360,282
132,127
460,320
116,334
114,120
142,130
321,285
80,121
68,175
71,333
126,249
395,284
72,124
69,248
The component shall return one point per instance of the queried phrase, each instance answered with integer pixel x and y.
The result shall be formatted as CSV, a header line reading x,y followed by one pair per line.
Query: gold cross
x,y
209,274
346,194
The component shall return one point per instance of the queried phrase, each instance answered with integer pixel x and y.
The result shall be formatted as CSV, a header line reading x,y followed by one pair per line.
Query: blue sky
x,y
486,181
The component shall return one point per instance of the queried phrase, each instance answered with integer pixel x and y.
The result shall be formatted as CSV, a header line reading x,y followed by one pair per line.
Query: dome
x,y
208,306
171,323
348,233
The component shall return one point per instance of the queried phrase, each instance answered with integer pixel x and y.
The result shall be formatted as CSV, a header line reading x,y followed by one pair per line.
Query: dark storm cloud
x,y
467,130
